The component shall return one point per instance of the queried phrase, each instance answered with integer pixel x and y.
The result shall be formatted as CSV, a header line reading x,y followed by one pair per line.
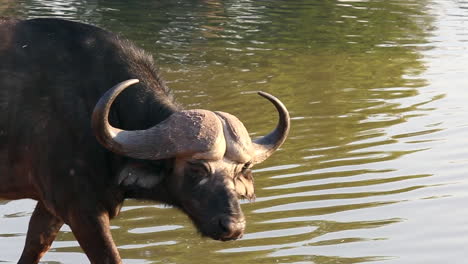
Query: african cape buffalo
x,y
80,149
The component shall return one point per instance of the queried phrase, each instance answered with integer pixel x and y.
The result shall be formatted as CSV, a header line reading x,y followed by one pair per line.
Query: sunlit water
x,y
375,168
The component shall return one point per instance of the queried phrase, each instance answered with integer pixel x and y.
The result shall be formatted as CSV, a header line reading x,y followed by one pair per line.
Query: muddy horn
x,y
266,145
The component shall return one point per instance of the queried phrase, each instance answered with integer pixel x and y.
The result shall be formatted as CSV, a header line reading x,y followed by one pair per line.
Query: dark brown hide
x,y
54,77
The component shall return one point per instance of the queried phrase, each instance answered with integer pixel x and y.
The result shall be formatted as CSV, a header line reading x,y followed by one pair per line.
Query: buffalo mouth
x,y
231,228
223,227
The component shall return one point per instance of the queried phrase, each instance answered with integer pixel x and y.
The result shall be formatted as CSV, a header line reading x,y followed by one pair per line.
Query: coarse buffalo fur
x,y
52,74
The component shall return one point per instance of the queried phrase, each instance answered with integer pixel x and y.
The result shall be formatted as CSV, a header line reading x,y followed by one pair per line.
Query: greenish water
x,y
375,166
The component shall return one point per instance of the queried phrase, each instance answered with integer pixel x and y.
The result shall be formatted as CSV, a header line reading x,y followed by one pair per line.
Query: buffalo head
x,y
212,154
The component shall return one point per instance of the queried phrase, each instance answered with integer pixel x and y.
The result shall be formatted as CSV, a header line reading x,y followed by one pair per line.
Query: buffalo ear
x,y
140,174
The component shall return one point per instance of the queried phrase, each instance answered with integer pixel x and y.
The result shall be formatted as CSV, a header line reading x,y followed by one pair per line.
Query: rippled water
x,y
375,167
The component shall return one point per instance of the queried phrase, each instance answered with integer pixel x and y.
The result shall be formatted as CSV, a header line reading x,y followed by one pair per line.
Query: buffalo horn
x,y
104,132
266,145
182,133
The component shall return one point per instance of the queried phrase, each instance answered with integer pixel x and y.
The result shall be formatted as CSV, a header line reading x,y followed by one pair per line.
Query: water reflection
x,y
352,75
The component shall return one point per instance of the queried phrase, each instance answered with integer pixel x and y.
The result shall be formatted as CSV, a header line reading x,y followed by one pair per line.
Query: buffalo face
x,y
212,153
209,191
209,183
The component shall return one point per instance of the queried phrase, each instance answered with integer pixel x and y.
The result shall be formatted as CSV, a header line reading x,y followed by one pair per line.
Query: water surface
x,y
374,168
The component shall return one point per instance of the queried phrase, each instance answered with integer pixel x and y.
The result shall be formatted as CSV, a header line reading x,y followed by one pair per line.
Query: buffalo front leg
x,y
43,228
93,234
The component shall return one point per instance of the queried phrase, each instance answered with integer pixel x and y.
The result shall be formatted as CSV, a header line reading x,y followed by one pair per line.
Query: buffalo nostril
x,y
225,224
231,228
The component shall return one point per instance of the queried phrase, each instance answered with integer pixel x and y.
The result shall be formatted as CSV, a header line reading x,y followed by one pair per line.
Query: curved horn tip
x,y
266,145
264,94
270,97
277,102
103,131
132,81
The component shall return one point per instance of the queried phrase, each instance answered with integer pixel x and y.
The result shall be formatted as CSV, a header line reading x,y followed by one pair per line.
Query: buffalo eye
x,y
245,172
246,166
198,169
